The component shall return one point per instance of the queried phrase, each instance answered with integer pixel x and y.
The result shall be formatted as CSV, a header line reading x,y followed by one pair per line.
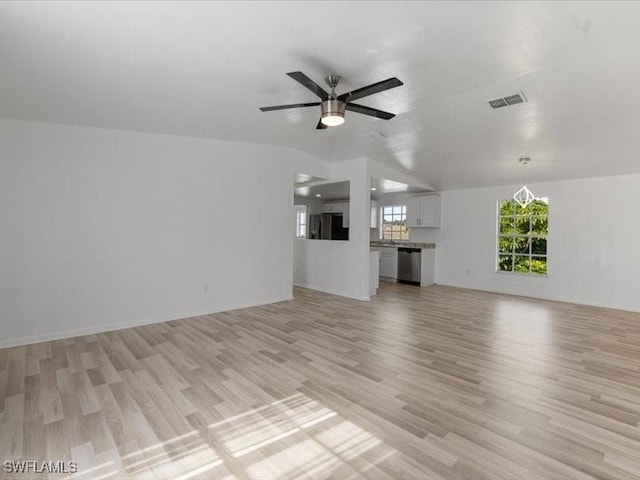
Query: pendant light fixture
x,y
524,196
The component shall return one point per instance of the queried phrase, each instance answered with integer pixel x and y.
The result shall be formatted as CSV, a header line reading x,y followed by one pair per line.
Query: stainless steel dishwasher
x,y
409,265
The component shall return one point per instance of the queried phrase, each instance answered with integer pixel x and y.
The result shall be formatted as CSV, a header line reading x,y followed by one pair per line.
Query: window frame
x,y
301,227
518,237
398,220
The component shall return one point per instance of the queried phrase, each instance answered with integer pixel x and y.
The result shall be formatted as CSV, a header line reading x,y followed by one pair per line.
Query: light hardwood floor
x,y
418,383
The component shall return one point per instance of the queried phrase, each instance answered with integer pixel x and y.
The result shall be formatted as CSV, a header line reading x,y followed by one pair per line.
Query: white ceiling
x,y
325,190
308,186
203,69
382,187
329,190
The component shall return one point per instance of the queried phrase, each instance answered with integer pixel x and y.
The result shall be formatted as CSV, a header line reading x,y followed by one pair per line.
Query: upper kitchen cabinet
x,y
413,212
335,207
424,212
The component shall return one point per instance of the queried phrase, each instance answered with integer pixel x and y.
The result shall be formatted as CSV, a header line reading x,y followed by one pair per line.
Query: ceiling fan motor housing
x,y
332,80
332,112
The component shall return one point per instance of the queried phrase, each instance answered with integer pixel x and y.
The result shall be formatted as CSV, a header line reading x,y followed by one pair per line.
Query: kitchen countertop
x,y
375,243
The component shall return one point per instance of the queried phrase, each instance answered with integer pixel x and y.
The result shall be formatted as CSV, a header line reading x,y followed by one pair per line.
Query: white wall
x,y
101,229
594,242
340,267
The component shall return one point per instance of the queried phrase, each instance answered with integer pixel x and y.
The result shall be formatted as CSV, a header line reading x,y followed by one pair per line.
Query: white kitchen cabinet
x,y
332,207
374,271
389,262
374,214
424,212
413,212
428,267
430,211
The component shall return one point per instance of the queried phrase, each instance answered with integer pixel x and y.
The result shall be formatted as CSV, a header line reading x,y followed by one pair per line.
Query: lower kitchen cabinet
x,y
428,267
374,271
389,262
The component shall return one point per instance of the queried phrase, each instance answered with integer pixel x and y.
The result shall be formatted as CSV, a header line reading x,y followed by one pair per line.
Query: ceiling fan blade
x,y
372,112
284,107
321,126
310,84
370,89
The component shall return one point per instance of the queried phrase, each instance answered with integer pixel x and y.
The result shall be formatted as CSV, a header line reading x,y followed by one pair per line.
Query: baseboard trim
x,y
546,298
333,292
110,327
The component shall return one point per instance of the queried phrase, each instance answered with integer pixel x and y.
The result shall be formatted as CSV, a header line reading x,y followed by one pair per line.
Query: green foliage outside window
x,y
522,237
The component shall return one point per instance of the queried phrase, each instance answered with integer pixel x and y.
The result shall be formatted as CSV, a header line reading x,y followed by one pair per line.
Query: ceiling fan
x,y
332,106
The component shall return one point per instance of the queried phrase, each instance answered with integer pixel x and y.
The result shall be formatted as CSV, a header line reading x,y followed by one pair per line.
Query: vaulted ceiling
x,y
203,69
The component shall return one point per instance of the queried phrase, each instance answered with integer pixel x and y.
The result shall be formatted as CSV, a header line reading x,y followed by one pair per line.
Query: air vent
x,y
508,101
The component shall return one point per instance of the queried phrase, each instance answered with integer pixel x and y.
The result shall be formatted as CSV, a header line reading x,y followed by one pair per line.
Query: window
x,y
301,221
522,237
394,223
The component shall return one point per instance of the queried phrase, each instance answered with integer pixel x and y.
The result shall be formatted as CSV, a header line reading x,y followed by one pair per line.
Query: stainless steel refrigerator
x,y
327,226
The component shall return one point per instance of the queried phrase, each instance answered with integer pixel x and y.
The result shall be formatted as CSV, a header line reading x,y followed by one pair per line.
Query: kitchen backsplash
x,y
421,235
425,235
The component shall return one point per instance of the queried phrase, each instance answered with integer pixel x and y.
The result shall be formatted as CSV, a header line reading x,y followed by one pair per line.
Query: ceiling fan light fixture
x,y
333,106
333,120
332,113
